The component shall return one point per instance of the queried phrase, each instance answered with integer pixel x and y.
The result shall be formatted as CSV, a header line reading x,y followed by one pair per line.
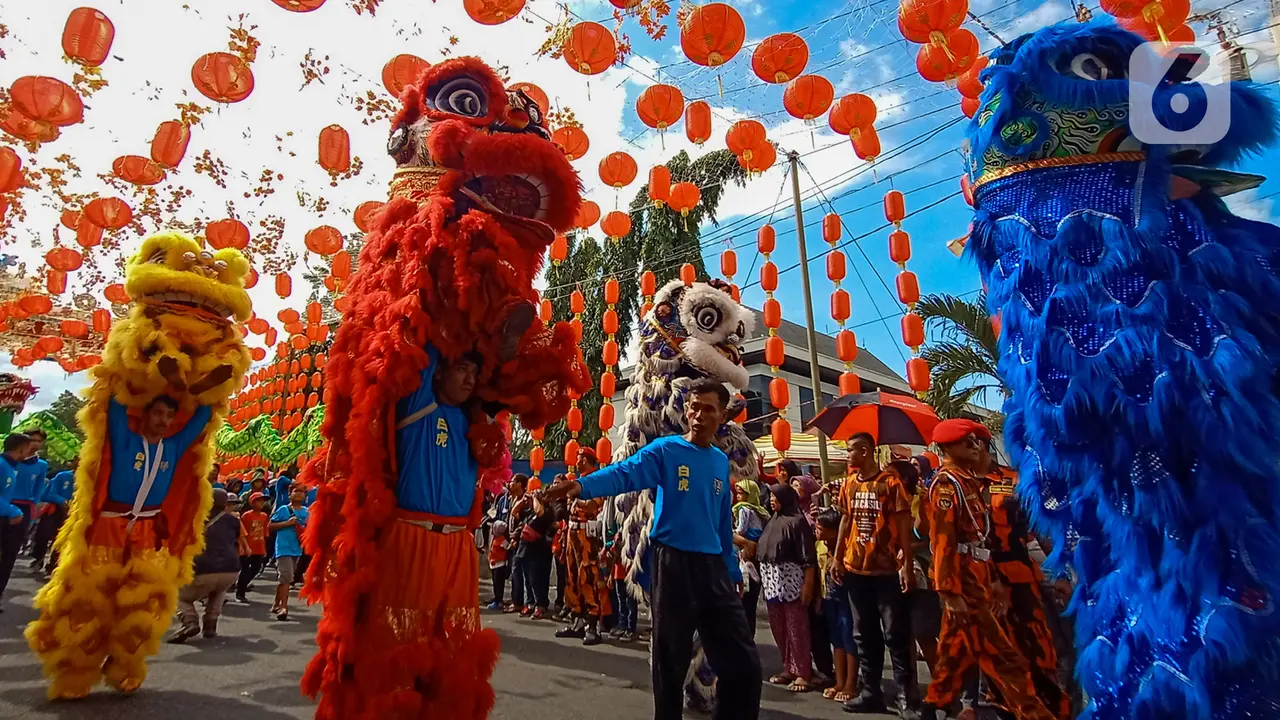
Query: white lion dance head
x,y
695,331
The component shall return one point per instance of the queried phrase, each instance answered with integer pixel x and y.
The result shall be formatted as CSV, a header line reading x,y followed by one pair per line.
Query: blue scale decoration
x,y
1141,340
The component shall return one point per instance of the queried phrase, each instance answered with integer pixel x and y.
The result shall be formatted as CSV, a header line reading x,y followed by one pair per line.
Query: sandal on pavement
x,y
829,693
842,697
781,679
799,685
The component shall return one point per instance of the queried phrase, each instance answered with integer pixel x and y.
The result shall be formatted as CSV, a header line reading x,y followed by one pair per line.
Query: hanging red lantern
x,y
71,219
251,279
684,197
10,170
712,34
590,48
535,94
846,346
688,274
660,106
74,328
648,283
948,60
850,112
314,312
925,21
779,393
227,233
334,150
169,145
697,122
745,136
908,288
101,320
608,384
116,294
895,206
16,123
288,316
912,330
659,184
324,240
616,225
867,144
729,263
900,246
47,100
808,96
841,307
340,267
588,215
969,106
969,85
222,77
572,140
766,239
87,37
779,58
284,285
55,282
545,311
918,374
831,227
64,259
609,355
137,170
769,276
604,450
559,251
364,214
761,159
492,12
402,70
837,266
35,304
618,169
110,213
780,433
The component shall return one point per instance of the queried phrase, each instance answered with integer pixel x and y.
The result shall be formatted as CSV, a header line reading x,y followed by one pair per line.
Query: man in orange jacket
x,y
964,576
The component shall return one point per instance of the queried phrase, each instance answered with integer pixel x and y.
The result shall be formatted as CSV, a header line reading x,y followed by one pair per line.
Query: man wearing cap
x,y
255,523
964,574
586,589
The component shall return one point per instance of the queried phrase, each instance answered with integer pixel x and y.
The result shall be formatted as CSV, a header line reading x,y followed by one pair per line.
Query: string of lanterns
x,y
837,268
608,378
774,348
895,211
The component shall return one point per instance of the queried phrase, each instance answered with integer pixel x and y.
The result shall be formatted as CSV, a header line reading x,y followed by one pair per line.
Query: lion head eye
x,y
462,96
398,140
707,318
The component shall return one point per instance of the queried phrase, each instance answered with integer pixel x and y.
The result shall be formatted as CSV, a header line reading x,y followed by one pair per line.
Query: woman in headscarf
x,y
806,487
788,563
749,518
807,490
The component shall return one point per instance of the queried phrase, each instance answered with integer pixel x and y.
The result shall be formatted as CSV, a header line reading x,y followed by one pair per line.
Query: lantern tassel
x,y
720,85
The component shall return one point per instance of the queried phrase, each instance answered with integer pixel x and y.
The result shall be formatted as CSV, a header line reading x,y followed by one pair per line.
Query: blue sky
x,y
853,44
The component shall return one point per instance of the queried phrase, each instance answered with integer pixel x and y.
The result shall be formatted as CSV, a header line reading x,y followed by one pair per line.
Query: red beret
x,y
590,455
955,430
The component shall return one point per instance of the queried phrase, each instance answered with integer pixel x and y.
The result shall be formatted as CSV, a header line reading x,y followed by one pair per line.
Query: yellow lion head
x,y
173,269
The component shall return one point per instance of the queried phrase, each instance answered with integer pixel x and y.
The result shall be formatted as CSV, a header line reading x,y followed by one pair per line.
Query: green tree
x,y
660,240
65,408
962,357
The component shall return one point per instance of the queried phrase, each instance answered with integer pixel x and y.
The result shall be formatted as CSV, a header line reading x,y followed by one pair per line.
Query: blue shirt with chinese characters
x,y
60,488
8,476
693,511
128,458
437,474
29,484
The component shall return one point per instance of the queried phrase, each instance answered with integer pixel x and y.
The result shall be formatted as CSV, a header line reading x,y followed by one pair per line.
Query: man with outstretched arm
x,y
695,570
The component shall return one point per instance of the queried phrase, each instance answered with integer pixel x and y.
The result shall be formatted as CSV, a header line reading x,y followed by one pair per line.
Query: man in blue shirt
x,y
28,488
288,522
58,494
17,450
695,569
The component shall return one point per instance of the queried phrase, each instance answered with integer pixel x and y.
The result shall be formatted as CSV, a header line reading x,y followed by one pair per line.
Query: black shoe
x,y
627,636
571,632
592,636
866,703
243,600
184,633
928,712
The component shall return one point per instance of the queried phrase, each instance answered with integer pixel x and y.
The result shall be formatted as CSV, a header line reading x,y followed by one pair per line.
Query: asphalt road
x,y
251,672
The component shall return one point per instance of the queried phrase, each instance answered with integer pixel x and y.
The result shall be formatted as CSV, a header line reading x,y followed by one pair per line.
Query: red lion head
x,y
462,134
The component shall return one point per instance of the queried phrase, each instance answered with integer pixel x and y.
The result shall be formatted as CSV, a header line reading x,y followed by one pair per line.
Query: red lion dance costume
x,y
478,195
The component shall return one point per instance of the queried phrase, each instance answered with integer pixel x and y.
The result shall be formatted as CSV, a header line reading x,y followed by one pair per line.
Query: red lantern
x,y
912,330
35,304
779,393
759,160
852,112
492,12
10,170
969,106
697,122
169,145
258,354
288,316
222,77
729,263
660,183
611,291
831,227
572,140
335,150
55,281
846,346
616,225
895,206
866,144
604,449
64,259
778,58
660,106
47,100
923,21
535,94
808,96
969,85
137,170
314,312
227,233
609,322
590,48
609,354
402,70
251,279
744,136
712,34
87,37
766,239
688,274
947,60
588,215
559,249
908,288
101,320
900,246
324,240
918,374
684,197
648,283
74,328
608,384
780,430
115,293
577,302
340,268
618,169
545,311
27,129
840,305
364,214
836,266
772,318
110,213
769,276
284,284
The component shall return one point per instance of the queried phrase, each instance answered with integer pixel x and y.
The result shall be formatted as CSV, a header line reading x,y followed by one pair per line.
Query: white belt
x,y
980,554
434,526
135,514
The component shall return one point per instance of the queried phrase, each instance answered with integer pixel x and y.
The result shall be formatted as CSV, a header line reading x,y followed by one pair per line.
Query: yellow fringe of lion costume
x,y
105,610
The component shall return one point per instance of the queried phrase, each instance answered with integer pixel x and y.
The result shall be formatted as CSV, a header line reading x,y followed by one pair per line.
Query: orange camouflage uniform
x,y
1025,622
958,531
586,588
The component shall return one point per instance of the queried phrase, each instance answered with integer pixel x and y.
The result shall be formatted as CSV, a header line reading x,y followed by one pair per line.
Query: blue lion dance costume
x,y
1141,339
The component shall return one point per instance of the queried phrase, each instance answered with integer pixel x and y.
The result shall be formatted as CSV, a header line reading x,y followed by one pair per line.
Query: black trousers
x,y
820,644
883,618
692,593
750,603
500,575
562,573
536,563
46,531
250,566
12,535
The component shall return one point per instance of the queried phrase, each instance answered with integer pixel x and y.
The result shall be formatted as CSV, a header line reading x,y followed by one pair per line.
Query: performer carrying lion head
x,y
140,497
441,336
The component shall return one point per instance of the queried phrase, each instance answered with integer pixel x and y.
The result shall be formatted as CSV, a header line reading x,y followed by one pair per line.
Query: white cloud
x,y
1251,205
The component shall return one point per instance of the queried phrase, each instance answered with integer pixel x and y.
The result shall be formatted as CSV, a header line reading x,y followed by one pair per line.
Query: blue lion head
x,y
1064,91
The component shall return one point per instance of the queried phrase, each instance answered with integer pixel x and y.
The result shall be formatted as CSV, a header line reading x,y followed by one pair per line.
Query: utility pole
x,y
1217,22
815,373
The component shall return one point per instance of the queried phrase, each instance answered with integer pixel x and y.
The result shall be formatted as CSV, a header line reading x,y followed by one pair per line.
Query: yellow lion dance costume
x,y
114,592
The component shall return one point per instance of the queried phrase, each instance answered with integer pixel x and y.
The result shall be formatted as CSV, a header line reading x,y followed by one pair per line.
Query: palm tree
x,y
962,358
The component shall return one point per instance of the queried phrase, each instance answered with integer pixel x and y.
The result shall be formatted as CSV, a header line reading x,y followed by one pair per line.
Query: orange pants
x,y
1028,627
586,589
976,637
